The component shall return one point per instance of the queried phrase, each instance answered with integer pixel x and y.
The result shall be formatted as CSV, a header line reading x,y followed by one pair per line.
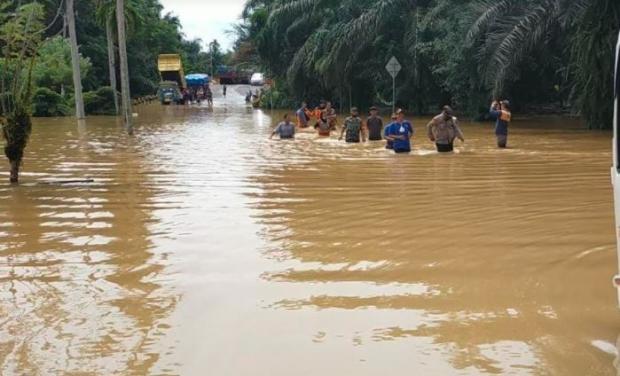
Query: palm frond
x,y
490,11
524,33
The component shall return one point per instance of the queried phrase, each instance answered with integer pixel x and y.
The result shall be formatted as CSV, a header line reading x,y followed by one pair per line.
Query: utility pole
x,y
111,60
64,36
124,65
211,54
75,62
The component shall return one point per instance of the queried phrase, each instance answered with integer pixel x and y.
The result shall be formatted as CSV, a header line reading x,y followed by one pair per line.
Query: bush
x,y
280,99
48,103
100,101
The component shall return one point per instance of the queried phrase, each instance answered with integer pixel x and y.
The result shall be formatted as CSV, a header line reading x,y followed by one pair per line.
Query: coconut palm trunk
x,y
75,62
112,60
122,52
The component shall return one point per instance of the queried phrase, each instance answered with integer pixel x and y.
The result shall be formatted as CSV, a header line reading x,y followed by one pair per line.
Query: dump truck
x,y
233,76
172,83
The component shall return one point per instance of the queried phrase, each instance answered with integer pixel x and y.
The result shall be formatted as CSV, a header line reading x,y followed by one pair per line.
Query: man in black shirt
x,y
374,125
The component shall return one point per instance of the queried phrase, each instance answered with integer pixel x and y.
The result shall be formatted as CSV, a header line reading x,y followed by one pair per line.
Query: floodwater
x,y
202,248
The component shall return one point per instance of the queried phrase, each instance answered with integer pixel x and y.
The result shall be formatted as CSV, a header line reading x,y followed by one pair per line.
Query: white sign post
x,y
393,67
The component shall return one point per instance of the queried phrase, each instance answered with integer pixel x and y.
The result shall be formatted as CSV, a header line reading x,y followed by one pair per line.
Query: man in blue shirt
x,y
286,129
501,112
303,115
389,144
400,133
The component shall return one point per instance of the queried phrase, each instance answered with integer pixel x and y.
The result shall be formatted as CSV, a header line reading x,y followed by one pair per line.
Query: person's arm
x,y
386,134
344,128
411,131
459,133
300,121
364,131
494,110
429,130
275,131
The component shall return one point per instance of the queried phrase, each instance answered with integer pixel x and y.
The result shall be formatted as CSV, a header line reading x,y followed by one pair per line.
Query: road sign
x,y
393,67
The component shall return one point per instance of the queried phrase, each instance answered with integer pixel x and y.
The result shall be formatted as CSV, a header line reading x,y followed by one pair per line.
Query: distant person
x,y
303,115
501,112
400,133
332,117
322,125
374,125
224,90
209,96
443,129
389,143
286,129
353,128
317,113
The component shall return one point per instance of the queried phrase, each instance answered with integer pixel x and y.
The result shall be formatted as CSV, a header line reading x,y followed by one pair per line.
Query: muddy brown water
x,y
202,248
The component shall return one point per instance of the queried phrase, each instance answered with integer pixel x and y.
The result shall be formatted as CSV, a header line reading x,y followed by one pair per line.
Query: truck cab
x,y
615,171
169,93
173,84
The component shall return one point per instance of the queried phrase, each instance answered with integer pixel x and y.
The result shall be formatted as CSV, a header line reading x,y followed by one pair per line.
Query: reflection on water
x,y
203,248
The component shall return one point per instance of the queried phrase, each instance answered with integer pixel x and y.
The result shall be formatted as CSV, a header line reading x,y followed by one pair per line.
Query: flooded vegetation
x,y
201,246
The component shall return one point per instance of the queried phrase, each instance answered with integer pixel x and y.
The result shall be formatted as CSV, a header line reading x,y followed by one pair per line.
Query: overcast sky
x,y
206,19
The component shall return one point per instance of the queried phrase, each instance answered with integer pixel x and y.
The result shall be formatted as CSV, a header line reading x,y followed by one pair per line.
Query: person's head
x,y
328,105
286,118
394,116
322,104
354,112
374,111
400,114
505,104
304,104
447,112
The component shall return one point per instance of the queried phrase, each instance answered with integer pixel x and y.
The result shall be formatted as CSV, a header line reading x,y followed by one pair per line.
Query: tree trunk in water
x,y
75,62
112,61
14,178
122,52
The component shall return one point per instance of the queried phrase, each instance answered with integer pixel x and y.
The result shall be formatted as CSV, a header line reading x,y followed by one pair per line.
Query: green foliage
x,y
53,66
592,47
100,102
16,132
48,103
20,38
149,34
460,52
278,98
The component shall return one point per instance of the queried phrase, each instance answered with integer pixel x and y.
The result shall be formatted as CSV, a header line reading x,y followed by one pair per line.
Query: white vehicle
x,y
258,79
615,171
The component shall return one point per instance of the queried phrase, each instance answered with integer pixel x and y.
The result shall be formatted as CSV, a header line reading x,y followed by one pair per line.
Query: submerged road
x,y
202,248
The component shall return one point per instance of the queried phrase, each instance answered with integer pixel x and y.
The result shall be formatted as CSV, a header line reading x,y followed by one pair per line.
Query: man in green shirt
x,y
353,128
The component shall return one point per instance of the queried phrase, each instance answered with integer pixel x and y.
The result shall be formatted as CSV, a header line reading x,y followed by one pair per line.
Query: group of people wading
x,y
443,129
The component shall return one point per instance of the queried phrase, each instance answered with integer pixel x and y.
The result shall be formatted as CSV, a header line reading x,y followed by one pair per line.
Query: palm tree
x,y
75,61
505,32
326,39
106,16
